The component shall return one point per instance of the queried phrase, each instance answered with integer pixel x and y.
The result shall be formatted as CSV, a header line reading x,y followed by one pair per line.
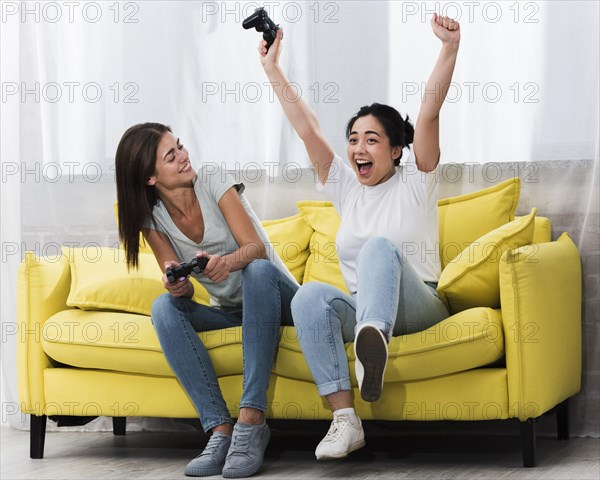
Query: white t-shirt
x,y
402,209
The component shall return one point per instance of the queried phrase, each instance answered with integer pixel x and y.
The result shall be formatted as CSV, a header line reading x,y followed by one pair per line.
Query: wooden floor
x,y
417,455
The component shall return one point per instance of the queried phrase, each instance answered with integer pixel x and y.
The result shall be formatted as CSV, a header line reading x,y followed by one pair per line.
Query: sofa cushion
x,y
290,238
322,264
126,342
471,279
467,340
100,281
465,218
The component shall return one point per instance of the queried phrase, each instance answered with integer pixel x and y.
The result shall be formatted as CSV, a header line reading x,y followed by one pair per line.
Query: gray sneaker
x,y
248,445
211,460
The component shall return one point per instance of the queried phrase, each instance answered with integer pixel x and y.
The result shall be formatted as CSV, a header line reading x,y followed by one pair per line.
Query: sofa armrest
x,y
540,292
43,288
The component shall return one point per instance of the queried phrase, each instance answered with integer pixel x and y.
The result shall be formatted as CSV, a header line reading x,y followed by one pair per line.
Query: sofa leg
x,y
119,425
528,442
37,435
562,420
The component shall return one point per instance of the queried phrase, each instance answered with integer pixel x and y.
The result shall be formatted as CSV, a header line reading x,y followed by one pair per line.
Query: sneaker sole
x,y
202,472
352,448
371,351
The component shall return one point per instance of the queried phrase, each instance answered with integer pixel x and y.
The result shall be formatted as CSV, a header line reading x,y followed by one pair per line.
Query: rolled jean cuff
x,y
335,386
216,423
385,326
256,406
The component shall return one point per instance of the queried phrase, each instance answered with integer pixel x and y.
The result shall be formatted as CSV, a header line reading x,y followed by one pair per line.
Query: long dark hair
x,y
399,130
135,163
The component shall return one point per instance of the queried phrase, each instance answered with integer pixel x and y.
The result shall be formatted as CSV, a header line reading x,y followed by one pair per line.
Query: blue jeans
x,y
267,293
390,295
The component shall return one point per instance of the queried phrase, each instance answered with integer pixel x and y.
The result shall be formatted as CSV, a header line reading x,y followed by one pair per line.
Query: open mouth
x,y
186,168
364,166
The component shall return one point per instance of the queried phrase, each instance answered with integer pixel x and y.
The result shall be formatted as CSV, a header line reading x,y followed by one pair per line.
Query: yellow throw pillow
x,y
290,238
100,281
471,279
465,218
543,230
322,264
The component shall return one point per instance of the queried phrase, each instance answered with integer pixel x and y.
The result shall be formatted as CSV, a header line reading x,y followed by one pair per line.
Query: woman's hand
x,y
216,269
446,29
181,288
271,57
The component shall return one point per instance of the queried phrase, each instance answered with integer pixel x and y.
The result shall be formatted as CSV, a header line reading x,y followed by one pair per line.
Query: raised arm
x,y
302,118
426,142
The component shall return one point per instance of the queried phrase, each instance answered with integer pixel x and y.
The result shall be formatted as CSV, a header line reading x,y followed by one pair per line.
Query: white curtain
x,y
76,75
10,232
525,86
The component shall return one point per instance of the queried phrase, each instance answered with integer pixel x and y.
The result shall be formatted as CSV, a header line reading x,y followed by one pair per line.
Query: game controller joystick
x,y
261,21
196,265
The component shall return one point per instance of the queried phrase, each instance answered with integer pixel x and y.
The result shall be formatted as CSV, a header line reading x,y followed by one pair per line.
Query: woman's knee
x,y
259,269
310,299
380,247
320,308
164,309
377,245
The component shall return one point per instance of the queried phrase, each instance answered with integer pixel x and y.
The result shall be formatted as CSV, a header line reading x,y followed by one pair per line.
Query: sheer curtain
x,y
10,232
75,75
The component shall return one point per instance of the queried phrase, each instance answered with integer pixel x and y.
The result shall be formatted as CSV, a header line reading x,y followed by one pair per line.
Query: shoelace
x,y
336,428
214,442
240,441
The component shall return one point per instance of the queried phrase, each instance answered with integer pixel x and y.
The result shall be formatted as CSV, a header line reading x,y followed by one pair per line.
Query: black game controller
x,y
196,265
261,21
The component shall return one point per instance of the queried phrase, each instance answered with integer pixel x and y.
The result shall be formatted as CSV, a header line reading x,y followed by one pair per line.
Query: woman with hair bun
x,y
387,241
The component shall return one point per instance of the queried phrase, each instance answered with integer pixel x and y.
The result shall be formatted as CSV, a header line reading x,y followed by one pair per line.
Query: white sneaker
x,y
344,436
371,351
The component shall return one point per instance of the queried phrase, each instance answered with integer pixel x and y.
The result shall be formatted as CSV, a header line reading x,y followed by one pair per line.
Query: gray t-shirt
x,y
210,185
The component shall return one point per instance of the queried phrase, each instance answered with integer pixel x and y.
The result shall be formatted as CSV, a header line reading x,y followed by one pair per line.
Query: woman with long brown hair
x,y
184,214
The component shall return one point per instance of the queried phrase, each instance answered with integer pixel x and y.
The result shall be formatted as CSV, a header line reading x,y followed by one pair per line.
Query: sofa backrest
x,y
306,241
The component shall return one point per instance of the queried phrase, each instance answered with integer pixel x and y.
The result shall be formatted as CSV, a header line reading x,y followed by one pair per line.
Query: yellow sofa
x,y
511,349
